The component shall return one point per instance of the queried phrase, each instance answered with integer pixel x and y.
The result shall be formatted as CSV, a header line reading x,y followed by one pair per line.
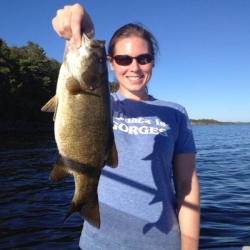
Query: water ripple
x,y
32,208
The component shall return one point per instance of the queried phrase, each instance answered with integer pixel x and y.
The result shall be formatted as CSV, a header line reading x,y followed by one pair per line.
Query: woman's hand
x,y
71,21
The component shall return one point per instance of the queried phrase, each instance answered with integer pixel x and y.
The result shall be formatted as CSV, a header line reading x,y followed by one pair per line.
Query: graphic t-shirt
x,y
137,201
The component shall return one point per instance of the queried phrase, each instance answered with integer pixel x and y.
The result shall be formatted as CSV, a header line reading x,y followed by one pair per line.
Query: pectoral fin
x,y
51,106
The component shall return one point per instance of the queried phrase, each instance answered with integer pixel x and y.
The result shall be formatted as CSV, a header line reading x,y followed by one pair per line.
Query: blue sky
x,y
204,61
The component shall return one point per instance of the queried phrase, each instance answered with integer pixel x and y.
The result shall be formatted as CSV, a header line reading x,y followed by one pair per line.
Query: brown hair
x,y
134,29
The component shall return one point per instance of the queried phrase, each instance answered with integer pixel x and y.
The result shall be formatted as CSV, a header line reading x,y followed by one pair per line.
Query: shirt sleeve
x,y
185,139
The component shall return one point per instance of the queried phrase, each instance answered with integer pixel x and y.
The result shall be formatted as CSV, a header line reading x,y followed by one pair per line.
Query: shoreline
x,y
24,127
222,123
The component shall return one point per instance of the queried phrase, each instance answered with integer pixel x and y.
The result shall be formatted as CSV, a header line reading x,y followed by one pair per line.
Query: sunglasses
x,y
125,60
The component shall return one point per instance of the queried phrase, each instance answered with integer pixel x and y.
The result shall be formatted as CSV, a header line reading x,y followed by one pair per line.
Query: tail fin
x,y
88,211
91,213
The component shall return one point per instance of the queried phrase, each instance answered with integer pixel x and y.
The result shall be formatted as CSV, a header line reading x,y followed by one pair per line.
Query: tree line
x,y
27,81
213,122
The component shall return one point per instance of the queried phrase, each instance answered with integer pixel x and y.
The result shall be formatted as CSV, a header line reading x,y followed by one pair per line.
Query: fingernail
x,y
78,44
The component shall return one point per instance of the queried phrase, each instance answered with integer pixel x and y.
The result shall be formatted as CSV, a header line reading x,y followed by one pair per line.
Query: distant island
x,y
213,122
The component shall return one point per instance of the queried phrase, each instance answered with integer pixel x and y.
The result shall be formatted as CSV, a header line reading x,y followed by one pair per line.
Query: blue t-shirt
x,y
137,201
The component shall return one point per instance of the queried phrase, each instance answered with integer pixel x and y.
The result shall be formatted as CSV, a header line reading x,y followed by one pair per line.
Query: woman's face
x,y
133,78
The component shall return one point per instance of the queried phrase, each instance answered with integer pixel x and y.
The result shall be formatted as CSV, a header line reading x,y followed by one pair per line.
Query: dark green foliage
x,y
213,122
114,86
204,121
27,81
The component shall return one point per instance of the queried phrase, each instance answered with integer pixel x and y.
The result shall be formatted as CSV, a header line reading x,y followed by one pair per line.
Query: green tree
x,y
114,86
5,78
27,81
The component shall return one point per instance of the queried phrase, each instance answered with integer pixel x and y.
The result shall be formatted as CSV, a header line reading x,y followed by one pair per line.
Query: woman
x,y
138,207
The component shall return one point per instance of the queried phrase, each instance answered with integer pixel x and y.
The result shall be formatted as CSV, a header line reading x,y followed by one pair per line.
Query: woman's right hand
x,y
71,21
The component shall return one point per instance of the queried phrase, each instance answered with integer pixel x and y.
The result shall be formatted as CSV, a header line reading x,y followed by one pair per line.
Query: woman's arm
x,y
188,199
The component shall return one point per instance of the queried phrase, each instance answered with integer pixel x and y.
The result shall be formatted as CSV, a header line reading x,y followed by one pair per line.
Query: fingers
x,y
71,22
76,22
61,24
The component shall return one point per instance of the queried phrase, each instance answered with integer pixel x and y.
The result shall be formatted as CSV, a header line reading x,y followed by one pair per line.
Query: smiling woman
x,y
133,77
153,139
131,42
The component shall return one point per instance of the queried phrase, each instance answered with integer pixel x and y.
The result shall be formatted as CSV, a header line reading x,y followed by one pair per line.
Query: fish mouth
x,y
91,43
86,64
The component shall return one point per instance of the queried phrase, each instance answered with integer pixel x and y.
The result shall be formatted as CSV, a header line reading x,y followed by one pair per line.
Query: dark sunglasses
x,y
125,60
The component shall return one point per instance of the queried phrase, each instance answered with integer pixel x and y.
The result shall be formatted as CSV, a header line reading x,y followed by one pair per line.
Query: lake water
x,y
32,208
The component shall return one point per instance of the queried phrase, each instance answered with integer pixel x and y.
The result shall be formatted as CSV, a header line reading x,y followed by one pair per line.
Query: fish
x,y
83,125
